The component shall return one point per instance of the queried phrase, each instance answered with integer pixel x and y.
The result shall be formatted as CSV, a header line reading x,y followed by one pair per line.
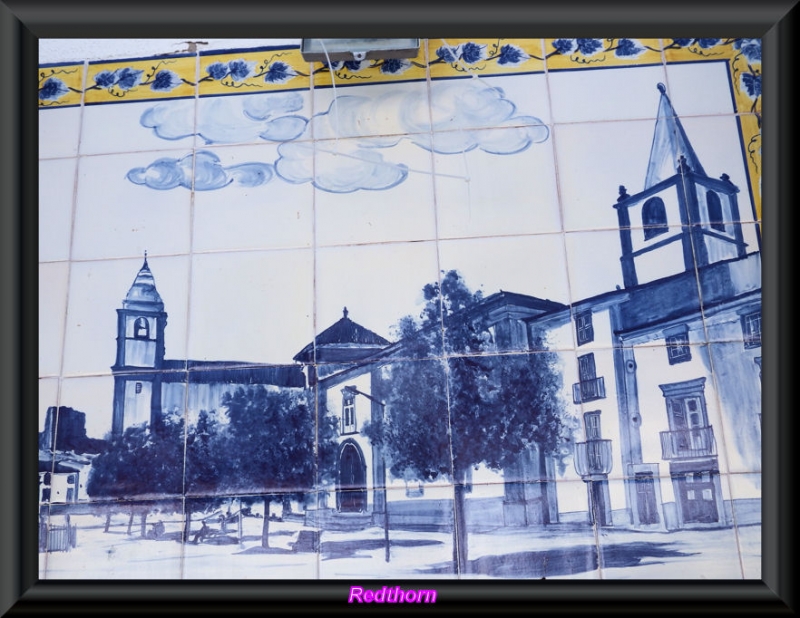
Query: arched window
x,y
654,217
141,329
715,217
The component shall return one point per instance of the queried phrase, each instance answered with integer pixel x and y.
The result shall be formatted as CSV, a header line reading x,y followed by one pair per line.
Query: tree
x,y
142,463
205,466
275,445
447,413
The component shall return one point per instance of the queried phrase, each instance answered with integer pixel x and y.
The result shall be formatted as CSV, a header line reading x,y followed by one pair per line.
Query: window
x,y
678,350
715,217
348,411
654,218
141,328
751,328
591,422
584,327
590,386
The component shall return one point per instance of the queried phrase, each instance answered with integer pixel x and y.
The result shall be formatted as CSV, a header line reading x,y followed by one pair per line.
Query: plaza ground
x,y
553,552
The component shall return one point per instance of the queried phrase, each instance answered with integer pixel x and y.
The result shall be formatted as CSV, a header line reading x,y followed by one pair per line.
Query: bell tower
x,y
683,218
140,354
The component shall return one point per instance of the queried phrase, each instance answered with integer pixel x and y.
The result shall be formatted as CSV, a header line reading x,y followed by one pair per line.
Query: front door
x,y
646,498
698,497
352,494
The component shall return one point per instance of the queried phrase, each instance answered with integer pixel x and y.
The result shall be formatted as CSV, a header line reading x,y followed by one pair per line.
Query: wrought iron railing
x,y
688,443
589,390
593,457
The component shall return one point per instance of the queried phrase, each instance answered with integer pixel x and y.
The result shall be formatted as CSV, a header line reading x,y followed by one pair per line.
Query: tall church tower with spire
x,y
140,353
683,218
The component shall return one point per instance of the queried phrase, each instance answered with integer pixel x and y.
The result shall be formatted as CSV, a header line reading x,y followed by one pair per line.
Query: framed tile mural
x,y
491,312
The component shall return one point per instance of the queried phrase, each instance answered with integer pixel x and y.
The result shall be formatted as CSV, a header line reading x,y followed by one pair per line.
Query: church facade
x,y
148,385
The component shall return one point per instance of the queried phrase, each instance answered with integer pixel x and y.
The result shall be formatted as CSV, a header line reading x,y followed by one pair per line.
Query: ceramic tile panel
x,y
127,204
382,282
604,94
262,211
736,367
489,312
53,285
126,534
687,413
272,117
456,58
249,536
138,126
389,110
567,53
272,293
108,296
746,514
348,175
696,551
55,205
267,69
607,170
59,132
372,71
419,544
60,85
60,88
138,79
475,191
505,533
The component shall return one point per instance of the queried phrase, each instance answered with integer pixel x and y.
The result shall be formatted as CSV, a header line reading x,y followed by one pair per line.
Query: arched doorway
x,y
351,496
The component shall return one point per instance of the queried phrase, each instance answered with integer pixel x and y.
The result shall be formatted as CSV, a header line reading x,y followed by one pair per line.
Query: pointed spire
x,y
344,313
142,293
670,145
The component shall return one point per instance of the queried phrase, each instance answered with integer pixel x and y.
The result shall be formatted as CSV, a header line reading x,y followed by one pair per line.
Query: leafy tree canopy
x,y
468,406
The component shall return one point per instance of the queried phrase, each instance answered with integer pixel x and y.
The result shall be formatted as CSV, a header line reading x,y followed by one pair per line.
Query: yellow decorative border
x,y
371,71
743,56
136,80
253,71
277,69
458,57
601,53
751,138
60,86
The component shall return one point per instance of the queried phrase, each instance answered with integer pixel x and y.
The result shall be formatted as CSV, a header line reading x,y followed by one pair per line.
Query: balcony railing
x,y
593,457
589,390
688,443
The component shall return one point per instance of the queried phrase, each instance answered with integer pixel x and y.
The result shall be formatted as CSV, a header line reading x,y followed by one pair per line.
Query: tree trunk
x,y
265,528
187,528
108,522
543,478
460,561
130,523
144,524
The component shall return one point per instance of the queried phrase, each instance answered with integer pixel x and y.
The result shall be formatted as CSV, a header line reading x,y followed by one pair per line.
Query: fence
x,y
57,538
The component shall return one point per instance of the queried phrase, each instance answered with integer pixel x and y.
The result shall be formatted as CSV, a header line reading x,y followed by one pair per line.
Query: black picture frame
x,y
23,22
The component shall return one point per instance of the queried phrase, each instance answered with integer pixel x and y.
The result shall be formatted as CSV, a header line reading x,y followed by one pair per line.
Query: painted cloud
x,y
208,174
345,148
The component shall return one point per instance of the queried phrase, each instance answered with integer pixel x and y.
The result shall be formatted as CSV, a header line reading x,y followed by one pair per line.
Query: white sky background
x,y
262,307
